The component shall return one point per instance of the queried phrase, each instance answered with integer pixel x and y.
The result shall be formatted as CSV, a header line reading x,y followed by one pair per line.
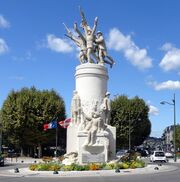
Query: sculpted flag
x,y
65,123
51,125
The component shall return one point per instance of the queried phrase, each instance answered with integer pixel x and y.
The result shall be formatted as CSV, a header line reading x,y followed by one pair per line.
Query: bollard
x,y
117,170
16,170
156,168
55,172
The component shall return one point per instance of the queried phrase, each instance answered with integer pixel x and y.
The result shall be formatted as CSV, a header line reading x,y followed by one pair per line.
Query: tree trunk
x,y
39,151
22,152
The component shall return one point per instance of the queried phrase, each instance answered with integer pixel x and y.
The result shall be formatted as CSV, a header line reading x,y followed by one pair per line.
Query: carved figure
x,y
80,42
76,108
102,50
90,34
94,125
106,108
90,37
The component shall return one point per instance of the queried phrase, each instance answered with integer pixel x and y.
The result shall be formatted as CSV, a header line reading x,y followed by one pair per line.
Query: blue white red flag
x,y
51,125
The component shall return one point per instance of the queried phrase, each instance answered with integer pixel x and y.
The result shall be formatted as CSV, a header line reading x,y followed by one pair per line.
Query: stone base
x,y
102,151
93,153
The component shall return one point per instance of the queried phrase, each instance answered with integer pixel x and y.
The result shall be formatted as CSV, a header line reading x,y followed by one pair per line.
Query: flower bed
x,y
56,166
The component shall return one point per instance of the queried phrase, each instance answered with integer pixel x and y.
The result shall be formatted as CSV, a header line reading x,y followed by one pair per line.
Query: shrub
x,y
54,167
43,167
66,168
132,156
61,158
110,166
125,166
178,154
33,167
47,159
94,166
107,167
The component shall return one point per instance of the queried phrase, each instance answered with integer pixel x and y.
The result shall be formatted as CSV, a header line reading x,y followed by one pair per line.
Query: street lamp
x,y
173,103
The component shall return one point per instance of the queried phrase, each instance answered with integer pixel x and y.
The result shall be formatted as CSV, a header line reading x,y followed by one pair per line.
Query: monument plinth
x,y
89,135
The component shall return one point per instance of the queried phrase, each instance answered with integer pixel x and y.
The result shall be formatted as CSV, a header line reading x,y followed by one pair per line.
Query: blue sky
x,y
142,37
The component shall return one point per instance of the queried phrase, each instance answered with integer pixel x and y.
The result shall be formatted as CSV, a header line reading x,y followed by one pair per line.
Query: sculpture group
x,y
91,44
92,122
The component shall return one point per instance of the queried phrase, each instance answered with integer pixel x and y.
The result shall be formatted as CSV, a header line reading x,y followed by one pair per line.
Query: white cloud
x,y
119,42
153,110
168,85
167,47
57,44
3,46
3,22
171,60
27,57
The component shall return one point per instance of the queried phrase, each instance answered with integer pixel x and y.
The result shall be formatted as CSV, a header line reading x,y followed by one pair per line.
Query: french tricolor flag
x,y
51,125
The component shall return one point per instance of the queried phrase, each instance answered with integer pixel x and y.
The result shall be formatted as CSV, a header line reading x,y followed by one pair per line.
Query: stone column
x,y
91,84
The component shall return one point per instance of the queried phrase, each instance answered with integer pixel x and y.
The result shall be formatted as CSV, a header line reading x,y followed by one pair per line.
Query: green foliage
x,y
177,136
33,167
132,156
53,166
130,116
178,154
109,166
24,112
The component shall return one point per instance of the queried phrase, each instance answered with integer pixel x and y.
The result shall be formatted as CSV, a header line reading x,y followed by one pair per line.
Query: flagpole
x,y
56,139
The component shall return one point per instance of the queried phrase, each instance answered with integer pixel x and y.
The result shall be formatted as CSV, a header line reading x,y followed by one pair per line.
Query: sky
x,y
141,36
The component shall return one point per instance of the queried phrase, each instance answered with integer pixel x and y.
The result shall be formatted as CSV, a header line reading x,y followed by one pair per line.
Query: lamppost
x,y
129,138
129,129
173,103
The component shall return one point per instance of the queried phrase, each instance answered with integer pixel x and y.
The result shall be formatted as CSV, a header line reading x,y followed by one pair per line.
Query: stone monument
x,y
89,134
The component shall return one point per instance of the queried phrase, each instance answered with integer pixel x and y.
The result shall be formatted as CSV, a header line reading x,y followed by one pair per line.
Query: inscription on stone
x,y
93,158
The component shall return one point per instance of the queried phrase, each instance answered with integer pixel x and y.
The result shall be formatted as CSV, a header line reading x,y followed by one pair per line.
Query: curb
x,y
25,172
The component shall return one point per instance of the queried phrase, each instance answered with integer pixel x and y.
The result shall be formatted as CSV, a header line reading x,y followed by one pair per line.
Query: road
x,y
172,176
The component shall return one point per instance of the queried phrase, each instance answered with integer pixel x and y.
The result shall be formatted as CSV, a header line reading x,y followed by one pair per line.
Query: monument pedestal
x,y
91,87
97,152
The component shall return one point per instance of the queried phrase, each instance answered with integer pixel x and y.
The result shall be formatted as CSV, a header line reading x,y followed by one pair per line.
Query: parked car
x,y
1,161
158,156
169,155
12,153
121,153
143,153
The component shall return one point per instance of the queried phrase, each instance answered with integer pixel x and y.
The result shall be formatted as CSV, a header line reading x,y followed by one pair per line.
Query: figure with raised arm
x,y
80,41
90,37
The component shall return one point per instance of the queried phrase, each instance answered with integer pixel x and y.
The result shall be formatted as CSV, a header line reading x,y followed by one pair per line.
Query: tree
x,y
130,117
23,114
178,137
